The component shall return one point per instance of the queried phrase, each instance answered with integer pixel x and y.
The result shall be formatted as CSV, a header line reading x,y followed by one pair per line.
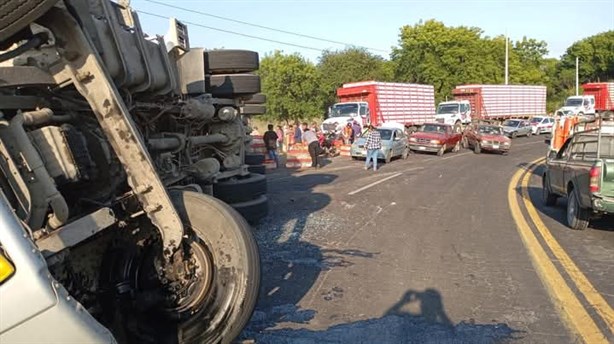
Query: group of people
x,y
302,134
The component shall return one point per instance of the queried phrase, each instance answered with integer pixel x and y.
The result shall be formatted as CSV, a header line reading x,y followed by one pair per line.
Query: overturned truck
x,y
123,179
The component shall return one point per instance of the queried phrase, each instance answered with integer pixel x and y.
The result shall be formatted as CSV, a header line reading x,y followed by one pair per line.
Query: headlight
x,y
227,113
413,139
506,143
435,142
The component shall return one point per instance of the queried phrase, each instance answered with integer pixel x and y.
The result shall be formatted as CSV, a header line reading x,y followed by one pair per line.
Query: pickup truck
x,y
435,138
583,174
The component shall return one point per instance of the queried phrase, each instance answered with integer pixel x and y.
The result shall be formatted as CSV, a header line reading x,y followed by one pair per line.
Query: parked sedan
x,y
541,124
436,138
394,143
517,127
483,137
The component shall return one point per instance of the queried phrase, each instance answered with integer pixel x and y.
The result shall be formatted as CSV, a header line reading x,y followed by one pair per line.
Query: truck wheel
x,y
230,85
577,217
17,14
206,296
253,109
477,149
257,98
548,197
441,150
254,210
254,159
231,61
260,169
240,190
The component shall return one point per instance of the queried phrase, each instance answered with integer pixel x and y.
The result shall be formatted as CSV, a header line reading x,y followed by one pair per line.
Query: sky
x,y
372,24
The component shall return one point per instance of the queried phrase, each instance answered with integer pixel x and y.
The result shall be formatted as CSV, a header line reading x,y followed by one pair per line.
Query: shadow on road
x,y
418,317
291,262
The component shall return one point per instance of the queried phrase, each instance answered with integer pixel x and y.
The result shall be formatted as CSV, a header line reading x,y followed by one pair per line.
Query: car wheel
x,y
548,197
388,157
529,133
538,131
477,149
441,150
514,134
405,153
577,217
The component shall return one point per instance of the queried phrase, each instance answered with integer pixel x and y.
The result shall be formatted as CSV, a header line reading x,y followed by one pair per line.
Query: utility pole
x,y
577,73
506,58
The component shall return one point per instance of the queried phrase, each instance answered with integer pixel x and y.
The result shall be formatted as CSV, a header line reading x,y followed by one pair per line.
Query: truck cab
x,y
579,106
341,113
454,113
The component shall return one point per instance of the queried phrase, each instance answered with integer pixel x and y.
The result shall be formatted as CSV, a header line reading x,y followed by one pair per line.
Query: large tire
x,y
254,210
231,61
577,217
548,197
252,109
231,85
240,190
18,14
257,98
254,159
260,169
220,298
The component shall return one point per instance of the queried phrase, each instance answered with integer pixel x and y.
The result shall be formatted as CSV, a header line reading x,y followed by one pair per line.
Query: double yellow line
x,y
573,313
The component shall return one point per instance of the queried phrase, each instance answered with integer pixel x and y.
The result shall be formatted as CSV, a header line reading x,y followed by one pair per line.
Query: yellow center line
x,y
574,315
580,280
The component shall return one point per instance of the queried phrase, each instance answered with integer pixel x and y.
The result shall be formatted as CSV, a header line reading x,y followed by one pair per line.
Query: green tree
x,y
292,87
596,54
349,65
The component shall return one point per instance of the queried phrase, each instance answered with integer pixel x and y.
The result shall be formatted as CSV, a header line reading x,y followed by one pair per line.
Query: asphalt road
x,y
429,250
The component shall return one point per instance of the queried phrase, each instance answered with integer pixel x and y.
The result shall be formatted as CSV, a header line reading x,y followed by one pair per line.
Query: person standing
x,y
313,146
280,138
348,133
373,144
357,130
270,142
298,134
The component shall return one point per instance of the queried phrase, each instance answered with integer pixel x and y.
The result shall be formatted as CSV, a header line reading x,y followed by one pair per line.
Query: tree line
x,y
434,54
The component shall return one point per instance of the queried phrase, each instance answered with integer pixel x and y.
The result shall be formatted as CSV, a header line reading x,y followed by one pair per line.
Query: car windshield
x,y
536,120
490,130
511,123
433,128
447,109
573,102
344,110
385,134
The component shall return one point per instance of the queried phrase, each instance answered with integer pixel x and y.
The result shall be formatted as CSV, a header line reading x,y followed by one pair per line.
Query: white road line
x,y
374,183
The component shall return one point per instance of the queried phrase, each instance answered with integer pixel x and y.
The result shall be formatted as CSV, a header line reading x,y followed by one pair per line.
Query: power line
x,y
234,33
262,26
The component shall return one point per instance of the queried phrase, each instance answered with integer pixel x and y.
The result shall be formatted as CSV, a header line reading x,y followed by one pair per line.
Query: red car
x,y
486,137
435,138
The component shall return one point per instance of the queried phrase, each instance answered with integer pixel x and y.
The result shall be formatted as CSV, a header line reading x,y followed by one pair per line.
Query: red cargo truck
x,y
494,102
603,93
381,102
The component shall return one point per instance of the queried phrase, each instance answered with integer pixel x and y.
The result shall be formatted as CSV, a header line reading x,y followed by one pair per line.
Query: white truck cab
x,y
579,106
341,113
454,112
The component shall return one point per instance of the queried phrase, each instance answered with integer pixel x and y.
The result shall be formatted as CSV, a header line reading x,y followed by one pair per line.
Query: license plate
x,y
422,148
495,146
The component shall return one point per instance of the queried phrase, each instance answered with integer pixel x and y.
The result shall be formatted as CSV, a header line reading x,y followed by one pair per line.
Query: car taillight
x,y
594,174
